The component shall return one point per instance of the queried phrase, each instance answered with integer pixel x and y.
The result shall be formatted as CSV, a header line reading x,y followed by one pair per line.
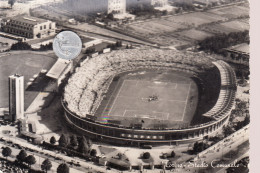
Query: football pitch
x,y
163,99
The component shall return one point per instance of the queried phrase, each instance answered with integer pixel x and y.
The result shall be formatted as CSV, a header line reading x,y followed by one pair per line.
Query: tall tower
x,y
116,6
16,97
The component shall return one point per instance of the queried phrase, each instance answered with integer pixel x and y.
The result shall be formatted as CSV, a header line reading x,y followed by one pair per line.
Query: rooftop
x,y
240,48
16,76
29,19
58,68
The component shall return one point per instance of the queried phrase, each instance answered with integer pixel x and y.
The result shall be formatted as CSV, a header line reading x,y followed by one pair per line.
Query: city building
x,y
97,6
29,27
16,97
159,3
155,3
238,54
116,6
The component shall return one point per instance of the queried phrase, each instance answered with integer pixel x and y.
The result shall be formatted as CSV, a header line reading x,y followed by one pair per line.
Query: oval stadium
x,y
149,96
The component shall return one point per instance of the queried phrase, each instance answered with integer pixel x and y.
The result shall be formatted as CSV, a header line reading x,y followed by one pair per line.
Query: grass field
x,y
195,19
195,34
231,11
26,63
236,25
129,103
185,29
227,27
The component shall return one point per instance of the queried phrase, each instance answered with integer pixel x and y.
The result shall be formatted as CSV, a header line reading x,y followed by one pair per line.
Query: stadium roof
x,y
240,48
58,68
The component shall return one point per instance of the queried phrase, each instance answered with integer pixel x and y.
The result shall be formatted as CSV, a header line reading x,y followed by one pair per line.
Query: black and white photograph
x,y
120,86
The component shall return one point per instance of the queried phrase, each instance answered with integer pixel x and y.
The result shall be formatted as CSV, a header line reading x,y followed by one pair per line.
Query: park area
x,y
27,63
150,99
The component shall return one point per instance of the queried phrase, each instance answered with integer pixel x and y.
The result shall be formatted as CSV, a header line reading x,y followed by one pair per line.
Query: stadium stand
x,y
227,94
85,89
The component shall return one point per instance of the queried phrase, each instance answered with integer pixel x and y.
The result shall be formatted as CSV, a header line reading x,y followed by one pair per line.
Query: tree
x,y
120,156
246,120
200,146
110,16
21,46
164,13
178,10
83,146
93,152
146,155
228,130
89,142
63,141
118,43
74,141
46,165
11,3
53,140
46,46
173,154
90,50
238,125
30,160
6,152
21,156
63,168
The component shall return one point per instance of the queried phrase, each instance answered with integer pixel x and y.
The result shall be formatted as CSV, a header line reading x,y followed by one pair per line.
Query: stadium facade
x,y
136,136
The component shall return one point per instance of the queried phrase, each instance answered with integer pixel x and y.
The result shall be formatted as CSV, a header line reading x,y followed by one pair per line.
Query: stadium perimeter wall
x,y
136,137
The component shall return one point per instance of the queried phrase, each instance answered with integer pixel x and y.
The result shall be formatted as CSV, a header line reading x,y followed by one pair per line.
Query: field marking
x,y
144,98
148,116
124,112
184,111
163,86
111,98
167,114
163,81
116,97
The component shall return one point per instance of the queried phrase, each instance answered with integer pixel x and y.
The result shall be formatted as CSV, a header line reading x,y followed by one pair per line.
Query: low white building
x,y
59,70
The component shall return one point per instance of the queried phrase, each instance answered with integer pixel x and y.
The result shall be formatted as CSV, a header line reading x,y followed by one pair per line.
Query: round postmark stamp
x,y
67,45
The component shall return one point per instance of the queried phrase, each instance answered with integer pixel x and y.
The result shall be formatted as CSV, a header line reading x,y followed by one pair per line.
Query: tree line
x,y
26,161
25,46
216,43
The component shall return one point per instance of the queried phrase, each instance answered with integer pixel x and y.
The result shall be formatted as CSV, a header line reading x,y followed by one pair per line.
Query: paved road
x,y
223,170
105,34
237,144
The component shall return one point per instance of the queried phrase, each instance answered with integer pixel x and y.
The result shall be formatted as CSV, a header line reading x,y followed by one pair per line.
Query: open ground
x,y
29,64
